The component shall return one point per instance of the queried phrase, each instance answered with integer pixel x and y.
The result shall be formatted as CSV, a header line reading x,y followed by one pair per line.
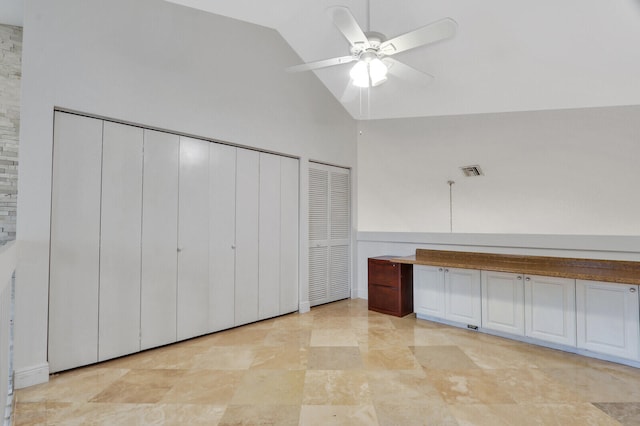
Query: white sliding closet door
x,y
329,234
269,237
247,252
75,242
222,235
120,236
159,239
289,223
193,239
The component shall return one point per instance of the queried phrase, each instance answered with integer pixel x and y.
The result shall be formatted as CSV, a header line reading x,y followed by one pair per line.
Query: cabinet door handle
x,y
519,277
446,270
233,247
632,289
527,279
440,269
179,249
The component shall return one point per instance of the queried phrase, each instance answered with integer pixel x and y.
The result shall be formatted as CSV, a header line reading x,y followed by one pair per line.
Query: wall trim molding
x,y
483,242
31,376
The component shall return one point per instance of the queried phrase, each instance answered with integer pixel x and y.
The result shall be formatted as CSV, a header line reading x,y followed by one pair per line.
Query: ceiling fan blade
x,y
321,64
436,31
408,73
348,26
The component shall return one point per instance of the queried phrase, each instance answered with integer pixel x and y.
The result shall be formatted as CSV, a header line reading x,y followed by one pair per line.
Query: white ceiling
x,y
506,56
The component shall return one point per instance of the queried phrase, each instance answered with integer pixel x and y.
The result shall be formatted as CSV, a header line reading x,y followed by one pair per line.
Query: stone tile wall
x,y
10,74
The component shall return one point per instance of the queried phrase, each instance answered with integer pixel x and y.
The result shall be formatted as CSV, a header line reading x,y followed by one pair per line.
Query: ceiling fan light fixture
x,y
368,72
377,72
360,74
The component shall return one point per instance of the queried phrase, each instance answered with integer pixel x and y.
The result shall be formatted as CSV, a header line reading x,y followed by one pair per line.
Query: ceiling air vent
x,y
471,171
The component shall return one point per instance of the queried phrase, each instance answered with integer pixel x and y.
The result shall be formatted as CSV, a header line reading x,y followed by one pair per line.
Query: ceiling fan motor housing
x,y
375,40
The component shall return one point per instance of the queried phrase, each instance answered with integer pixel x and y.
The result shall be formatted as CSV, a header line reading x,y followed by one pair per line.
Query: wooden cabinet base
x,y
390,286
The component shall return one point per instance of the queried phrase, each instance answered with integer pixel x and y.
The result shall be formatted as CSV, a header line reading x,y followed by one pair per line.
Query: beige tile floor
x,y
340,365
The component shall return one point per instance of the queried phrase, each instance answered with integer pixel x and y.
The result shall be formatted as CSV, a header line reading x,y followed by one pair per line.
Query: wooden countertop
x,y
615,271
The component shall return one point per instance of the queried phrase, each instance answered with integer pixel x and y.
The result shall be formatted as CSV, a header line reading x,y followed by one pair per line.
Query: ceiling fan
x,y
372,50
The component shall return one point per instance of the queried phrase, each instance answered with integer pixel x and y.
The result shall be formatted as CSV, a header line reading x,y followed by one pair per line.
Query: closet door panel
x,y
75,242
318,235
247,252
222,225
289,224
193,239
329,233
120,236
269,236
339,234
159,239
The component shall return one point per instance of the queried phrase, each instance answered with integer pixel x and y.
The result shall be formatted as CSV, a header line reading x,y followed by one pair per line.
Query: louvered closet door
x,y
329,234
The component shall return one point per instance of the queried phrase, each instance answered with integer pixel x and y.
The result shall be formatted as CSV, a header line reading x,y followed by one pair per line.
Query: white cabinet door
x,y
289,223
269,237
550,309
607,318
222,235
503,302
428,290
120,238
462,295
247,251
193,239
159,239
75,242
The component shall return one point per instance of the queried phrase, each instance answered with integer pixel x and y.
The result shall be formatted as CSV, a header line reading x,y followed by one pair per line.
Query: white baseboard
x,y
31,376
557,346
304,307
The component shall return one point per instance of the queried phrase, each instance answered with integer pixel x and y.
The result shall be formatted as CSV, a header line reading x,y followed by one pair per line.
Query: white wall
x,y
161,65
547,172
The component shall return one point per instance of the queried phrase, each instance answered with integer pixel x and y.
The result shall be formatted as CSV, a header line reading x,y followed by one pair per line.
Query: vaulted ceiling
x,y
506,56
